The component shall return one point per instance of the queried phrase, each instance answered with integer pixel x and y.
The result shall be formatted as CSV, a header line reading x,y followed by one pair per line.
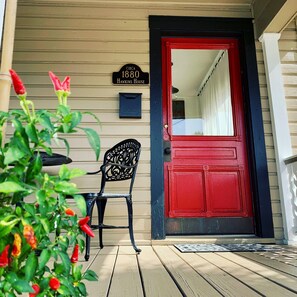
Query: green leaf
x,y
45,121
20,139
66,188
13,154
18,126
30,208
45,224
43,258
90,275
45,136
76,172
7,224
31,132
11,277
31,266
64,291
66,261
66,128
18,211
65,143
82,289
81,243
34,168
22,286
94,116
81,204
11,187
94,140
66,174
41,196
75,119
59,268
63,110
76,272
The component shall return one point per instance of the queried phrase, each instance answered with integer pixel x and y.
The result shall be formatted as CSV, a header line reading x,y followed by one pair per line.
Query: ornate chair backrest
x,y
120,162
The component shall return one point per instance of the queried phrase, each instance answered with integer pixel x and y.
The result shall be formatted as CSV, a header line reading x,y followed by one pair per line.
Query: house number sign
x,y
130,74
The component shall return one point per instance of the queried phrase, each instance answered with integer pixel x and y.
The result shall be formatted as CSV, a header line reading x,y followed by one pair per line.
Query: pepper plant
x,y
40,234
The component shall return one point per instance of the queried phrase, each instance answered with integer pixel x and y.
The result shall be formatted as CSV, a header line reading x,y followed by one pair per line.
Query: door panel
x,y
207,181
225,184
188,183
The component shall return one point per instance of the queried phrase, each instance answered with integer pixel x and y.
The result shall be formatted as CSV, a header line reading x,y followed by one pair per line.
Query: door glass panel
x,y
201,94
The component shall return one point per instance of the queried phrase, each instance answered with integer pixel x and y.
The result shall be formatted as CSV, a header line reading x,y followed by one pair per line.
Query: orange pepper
x,y
16,247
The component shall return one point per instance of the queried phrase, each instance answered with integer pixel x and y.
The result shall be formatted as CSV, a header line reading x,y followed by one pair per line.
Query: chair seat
x,y
91,196
114,195
103,226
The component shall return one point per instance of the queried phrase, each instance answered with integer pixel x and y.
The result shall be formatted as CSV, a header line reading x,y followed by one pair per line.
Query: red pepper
x,y
18,85
58,85
36,288
74,257
54,283
83,224
84,221
56,82
66,84
4,261
29,236
69,212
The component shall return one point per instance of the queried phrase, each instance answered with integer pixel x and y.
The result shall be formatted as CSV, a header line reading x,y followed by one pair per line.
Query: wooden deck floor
x,y
164,271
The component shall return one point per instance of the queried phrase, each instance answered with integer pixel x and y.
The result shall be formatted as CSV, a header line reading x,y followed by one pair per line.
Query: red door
x,y
207,183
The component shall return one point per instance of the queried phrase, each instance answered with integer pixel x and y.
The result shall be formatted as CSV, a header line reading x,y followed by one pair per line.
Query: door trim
x,y
242,29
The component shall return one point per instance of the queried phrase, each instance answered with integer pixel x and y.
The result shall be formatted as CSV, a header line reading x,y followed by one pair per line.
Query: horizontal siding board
x,y
115,57
91,92
100,106
142,9
99,35
79,46
85,24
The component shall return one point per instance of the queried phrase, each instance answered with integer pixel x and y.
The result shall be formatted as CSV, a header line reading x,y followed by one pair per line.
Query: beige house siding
x,y
288,54
89,42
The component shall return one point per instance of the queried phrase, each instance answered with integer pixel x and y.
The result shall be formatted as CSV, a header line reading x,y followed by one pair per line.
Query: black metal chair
x,y
119,164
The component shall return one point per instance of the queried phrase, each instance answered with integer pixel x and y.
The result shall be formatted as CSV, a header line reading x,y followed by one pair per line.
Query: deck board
x,y
190,282
279,278
104,266
166,272
271,262
225,283
126,278
244,275
156,280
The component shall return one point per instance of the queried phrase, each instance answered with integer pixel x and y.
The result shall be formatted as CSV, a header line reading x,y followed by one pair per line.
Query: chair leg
x,y
130,222
90,205
101,203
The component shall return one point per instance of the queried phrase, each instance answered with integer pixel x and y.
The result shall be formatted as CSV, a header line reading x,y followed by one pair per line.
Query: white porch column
x,y
2,13
281,133
7,53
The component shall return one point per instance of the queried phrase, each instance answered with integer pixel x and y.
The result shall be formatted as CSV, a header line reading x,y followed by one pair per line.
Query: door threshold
x,y
218,239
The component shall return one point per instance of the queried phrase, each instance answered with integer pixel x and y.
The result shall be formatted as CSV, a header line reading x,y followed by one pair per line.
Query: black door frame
x,y
242,29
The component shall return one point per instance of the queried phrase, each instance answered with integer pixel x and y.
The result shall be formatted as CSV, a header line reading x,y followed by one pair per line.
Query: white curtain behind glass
x,y
215,101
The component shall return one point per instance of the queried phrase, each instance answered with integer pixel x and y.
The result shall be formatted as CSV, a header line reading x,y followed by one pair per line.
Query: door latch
x,y
167,150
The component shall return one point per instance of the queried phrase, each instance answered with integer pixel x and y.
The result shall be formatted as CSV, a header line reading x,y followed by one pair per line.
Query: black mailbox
x,y
130,105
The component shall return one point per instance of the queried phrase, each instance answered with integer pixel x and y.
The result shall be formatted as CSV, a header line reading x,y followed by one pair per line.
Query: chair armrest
x,y
94,172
